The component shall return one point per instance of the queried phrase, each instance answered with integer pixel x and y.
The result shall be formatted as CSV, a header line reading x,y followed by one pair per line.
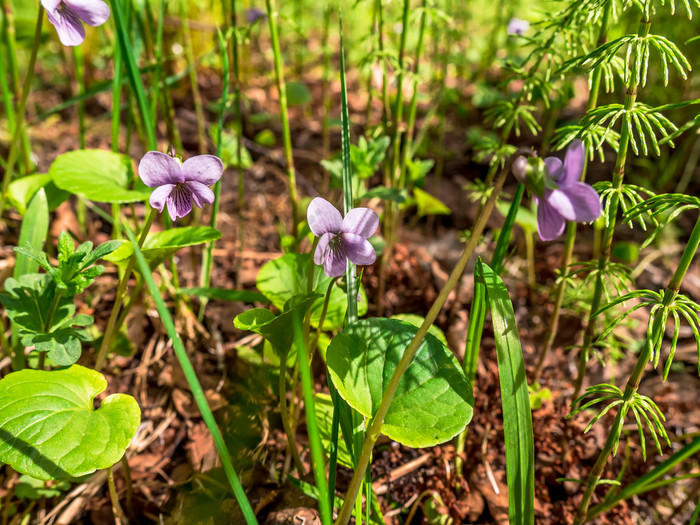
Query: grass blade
x,y
517,416
193,381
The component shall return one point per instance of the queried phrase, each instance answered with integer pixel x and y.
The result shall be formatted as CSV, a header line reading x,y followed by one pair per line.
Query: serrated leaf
x,y
98,175
434,398
286,277
28,301
35,228
50,428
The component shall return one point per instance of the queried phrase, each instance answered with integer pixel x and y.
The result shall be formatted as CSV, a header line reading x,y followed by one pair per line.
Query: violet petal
x,y
160,196
92,12
322,248
50,5
577,202
156,169
555,168
361,221
335,262
68,26
574,162
358,249
200,193
179,202
206,169
323,217
550,224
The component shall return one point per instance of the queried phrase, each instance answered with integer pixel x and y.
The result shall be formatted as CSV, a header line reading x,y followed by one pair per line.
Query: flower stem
x,y
375,428
240,204
413,108
633,382
282,90
284,412
15,144
134,73
8,33
121,293
119,516
318,463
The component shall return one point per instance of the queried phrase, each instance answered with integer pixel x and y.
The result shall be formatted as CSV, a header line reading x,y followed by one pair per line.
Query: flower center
x,y
335,246
181,196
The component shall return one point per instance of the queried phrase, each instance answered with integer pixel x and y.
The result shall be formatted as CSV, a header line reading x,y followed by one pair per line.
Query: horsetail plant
x,y
668,304
636,118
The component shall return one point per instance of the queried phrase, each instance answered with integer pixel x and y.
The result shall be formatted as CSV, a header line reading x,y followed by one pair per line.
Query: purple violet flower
x,y
179,184
341,239
516,26
572,201
67,16
254,14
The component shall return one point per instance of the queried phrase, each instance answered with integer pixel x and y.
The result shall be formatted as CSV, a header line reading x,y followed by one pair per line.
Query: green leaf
x,y
418,170
266,138
417,321
35,228
382,192
28,302
283,278
297,93
29,299
517,416
98,175
429,205
50,428
526,219
434,398
31,488
161,245
22,191
278,330
224,294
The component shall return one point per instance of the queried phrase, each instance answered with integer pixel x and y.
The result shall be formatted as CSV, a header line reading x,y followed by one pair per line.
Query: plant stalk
x,y
635,379
604,259
375,428
15,145
121,294
272,15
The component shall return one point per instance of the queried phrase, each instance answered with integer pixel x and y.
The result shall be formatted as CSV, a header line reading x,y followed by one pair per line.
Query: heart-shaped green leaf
x,y
434,398
287,276
98,175
49,428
